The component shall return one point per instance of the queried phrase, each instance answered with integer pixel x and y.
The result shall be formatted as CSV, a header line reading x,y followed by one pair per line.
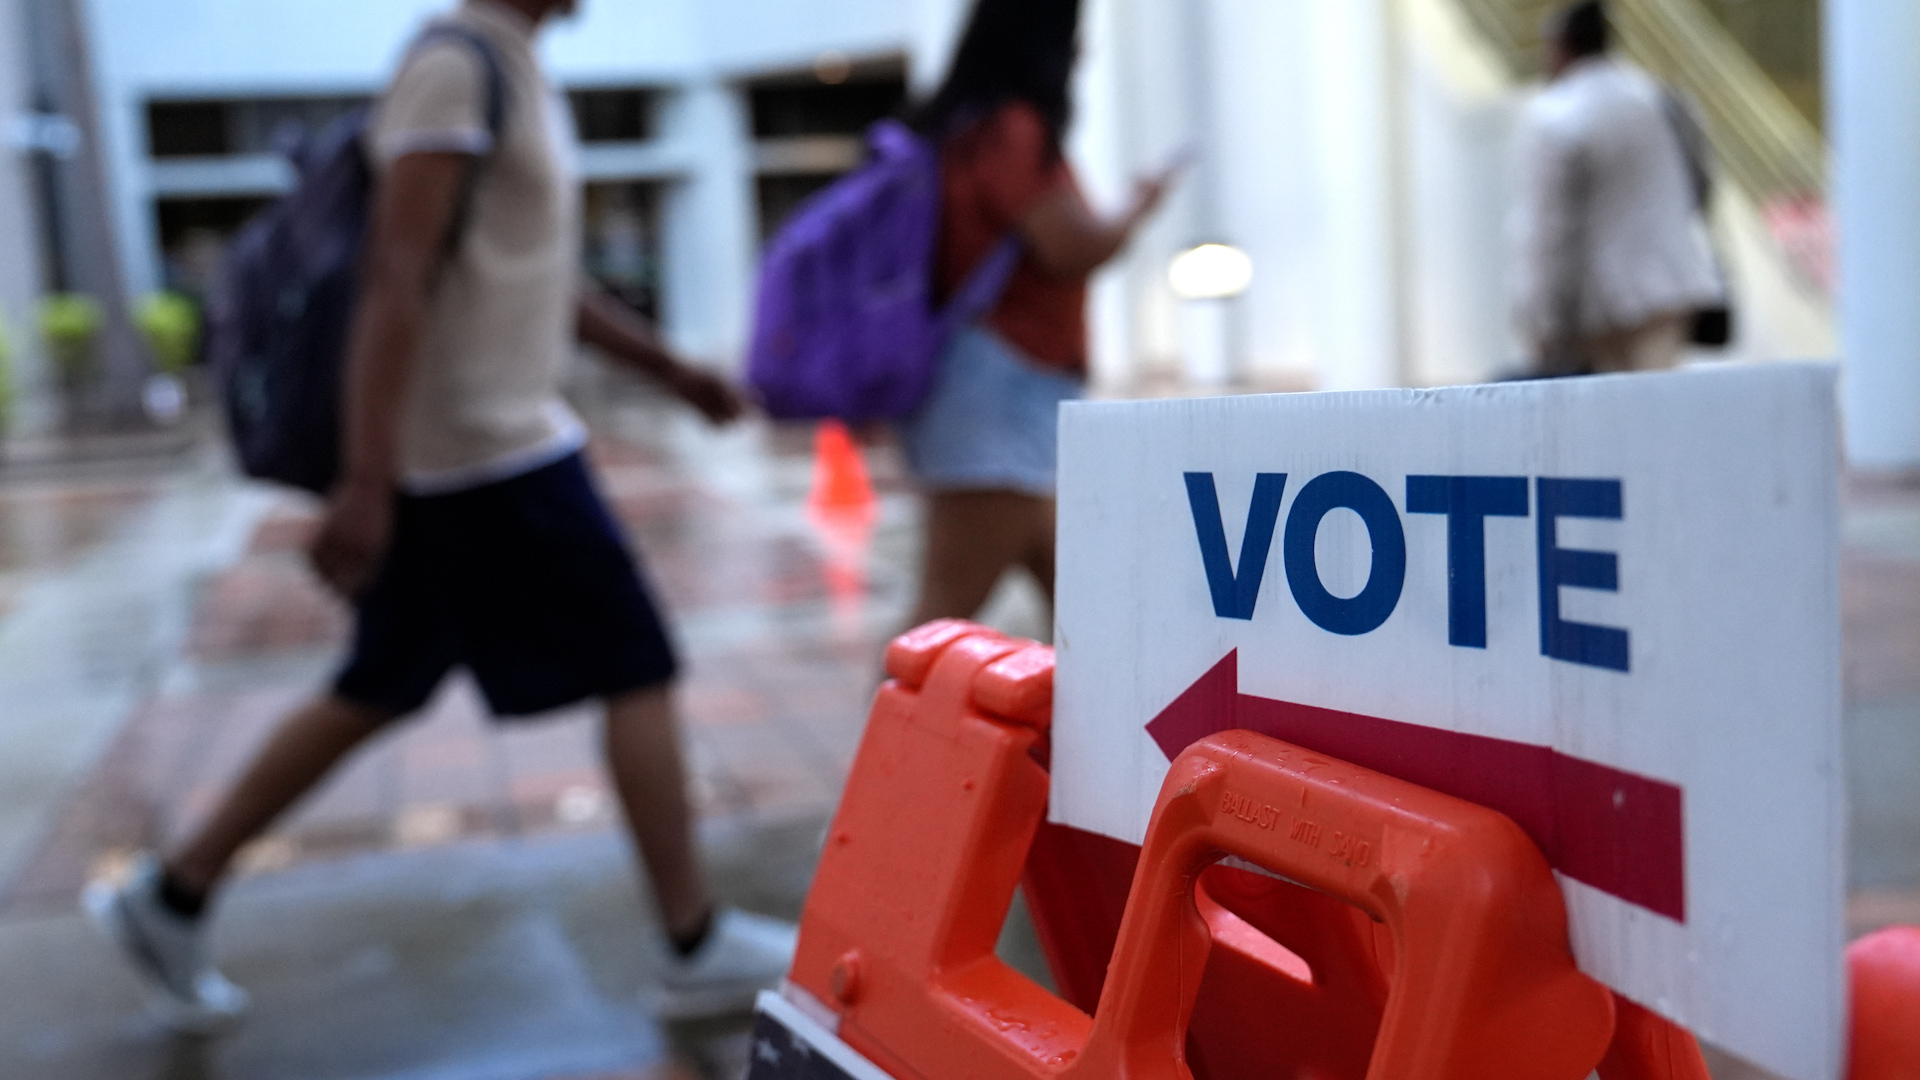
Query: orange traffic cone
x,y
842,509
839,472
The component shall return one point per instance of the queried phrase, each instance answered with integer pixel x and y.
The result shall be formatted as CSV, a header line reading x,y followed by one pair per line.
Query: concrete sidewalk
x,y
95,617
474,961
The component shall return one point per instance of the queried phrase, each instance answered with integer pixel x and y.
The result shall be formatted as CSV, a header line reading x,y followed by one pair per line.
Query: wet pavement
x,y
1880,603
458,902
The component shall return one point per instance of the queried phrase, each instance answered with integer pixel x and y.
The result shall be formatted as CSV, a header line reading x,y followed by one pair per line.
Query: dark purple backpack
x,y
845,325
277,338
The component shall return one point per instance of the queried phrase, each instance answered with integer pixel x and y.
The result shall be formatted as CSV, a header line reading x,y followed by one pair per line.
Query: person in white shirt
x,y
1611,251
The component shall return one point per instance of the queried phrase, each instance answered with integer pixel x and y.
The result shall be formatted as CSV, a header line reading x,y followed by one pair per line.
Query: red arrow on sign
x,y
1614,830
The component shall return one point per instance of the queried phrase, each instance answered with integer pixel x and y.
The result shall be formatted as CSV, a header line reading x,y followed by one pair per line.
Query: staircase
x,y
1764,144
1769,217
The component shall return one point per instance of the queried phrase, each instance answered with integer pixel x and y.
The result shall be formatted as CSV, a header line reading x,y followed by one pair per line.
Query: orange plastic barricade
x,y
1437,944
1883,975
1076,887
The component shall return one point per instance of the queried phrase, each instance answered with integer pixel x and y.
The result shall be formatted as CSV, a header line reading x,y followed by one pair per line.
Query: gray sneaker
x,y
166,950
744,954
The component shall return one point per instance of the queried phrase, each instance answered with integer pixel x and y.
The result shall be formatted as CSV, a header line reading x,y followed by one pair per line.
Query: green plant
x,y
6,379
171,324
70,322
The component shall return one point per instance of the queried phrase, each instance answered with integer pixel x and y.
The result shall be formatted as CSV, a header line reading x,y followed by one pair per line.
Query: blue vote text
x,y
1467,502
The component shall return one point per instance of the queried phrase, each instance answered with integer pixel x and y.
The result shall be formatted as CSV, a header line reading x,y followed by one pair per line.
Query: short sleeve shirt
x,y
484,400
991,175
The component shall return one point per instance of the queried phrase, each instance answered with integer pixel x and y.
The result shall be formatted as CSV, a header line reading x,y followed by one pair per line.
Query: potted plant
x,y
170,323
70,326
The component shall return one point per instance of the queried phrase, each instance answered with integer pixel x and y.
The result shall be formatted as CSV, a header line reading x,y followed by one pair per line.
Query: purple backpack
x,y
846,325
277,338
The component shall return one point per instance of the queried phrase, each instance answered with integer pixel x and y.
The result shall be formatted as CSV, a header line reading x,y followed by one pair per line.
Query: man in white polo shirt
x,y
466,527
1611,253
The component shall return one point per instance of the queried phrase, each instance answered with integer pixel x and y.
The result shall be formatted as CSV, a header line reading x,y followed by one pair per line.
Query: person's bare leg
x,y
972,538
1660,343
650,776
1038,558
296,757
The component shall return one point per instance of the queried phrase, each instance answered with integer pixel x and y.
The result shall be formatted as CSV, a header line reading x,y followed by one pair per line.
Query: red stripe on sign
x,y
1614,830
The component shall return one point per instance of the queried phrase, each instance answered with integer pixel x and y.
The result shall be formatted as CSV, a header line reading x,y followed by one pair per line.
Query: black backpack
x,y
277,337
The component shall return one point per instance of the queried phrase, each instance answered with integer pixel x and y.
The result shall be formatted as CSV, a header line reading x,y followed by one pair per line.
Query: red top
x,y
991,174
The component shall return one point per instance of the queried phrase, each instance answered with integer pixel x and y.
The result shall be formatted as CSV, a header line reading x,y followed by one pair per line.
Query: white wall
x,y
1134,106
1289,99
1289,103
934,29
1321,206
739,36
710,247
1097,145
1364,166
1461,111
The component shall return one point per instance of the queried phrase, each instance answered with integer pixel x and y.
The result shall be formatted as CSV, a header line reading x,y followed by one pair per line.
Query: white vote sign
x,y
1608,607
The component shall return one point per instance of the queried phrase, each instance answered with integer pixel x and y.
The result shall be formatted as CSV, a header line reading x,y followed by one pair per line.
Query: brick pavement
x,y
45,523
771,720
1880,604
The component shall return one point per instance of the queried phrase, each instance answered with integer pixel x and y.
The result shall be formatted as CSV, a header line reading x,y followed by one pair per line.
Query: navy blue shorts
x,y
527,582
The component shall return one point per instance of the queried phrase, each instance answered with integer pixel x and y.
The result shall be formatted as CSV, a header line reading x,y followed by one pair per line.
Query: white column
x,y
1873,110
710,245
1096,145
1354,46
937,25
19,234
1134,109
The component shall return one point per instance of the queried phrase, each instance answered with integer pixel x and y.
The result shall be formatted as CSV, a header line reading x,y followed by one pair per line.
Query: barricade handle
x,y
897,938
1484,982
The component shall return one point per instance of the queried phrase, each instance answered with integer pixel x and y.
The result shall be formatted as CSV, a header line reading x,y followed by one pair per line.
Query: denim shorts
x,y
991,421
526,582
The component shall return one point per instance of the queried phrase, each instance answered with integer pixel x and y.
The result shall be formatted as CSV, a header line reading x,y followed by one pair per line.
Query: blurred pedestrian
x,y
982,446
1611,249
466,527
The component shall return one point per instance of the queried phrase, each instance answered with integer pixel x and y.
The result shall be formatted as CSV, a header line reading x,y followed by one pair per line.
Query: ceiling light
x,y
1210,272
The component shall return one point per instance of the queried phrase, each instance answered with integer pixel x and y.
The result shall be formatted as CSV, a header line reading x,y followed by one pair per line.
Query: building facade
x,y
21,268
695,116
1357,152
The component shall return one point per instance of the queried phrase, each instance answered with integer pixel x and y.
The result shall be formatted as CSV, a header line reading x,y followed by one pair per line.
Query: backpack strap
x,y
496,117
1694,148
983,286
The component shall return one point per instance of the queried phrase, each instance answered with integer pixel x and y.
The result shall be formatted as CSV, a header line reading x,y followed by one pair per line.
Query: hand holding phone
x,y
1178,160
1152,187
